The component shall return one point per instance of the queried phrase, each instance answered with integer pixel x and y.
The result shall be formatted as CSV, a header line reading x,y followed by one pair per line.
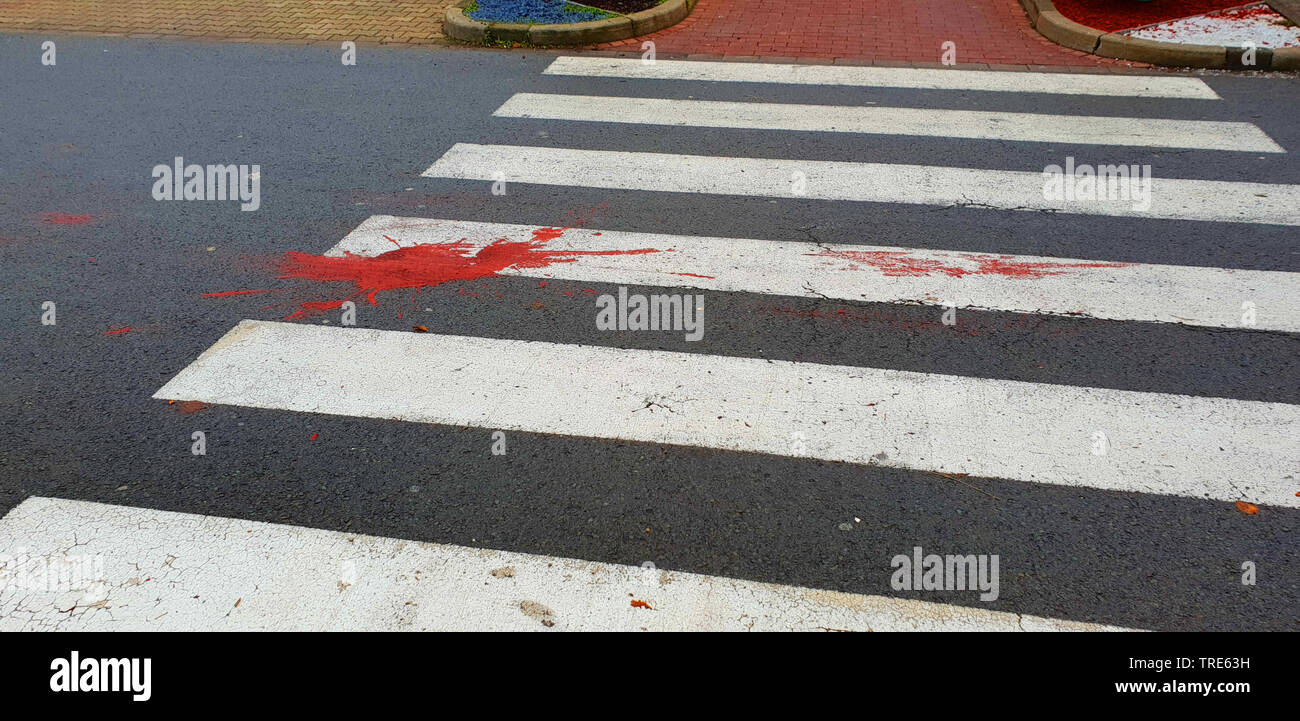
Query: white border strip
x,y
928,122
1140,86
1160,443
1206,200
166,571
1187,295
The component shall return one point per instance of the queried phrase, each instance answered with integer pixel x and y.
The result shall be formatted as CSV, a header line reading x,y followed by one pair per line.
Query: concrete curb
x,y
460,27
1054,26
1064,31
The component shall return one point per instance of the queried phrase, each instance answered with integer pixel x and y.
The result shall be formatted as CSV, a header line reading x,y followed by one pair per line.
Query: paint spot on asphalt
x,y
900,263
421,266
118,331
228,293
66,219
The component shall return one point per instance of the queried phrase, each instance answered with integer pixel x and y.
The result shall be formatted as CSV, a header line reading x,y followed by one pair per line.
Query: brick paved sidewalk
x,y
985,31
398,21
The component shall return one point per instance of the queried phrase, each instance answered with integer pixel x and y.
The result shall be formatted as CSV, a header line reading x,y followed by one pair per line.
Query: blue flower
x,y
533,11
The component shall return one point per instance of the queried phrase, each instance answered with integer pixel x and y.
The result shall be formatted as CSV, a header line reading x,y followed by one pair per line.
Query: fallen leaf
x,y
641,604
1249,509
419,329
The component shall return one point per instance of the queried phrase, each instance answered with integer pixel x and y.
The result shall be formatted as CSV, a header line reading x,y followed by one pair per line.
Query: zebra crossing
x,y
1160,444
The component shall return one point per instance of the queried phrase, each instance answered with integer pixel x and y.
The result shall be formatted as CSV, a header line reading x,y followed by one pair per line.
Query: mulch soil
x,y
1112,15
622,6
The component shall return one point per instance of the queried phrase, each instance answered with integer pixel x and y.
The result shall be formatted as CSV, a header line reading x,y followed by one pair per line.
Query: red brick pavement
x,y
994,32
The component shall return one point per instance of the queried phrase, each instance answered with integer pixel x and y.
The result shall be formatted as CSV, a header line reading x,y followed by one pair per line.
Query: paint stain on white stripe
x,y
881,274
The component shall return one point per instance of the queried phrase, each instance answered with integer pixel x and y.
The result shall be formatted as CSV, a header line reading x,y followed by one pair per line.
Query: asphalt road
x,y
339,144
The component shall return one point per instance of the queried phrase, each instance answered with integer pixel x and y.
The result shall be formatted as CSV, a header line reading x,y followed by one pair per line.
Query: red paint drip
x,y
419,266
313,436
898,263
118,331
695,275
65,219
228,293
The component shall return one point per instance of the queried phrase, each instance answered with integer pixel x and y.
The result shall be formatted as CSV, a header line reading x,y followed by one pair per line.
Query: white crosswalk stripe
x,y
1139,86
1181,199
186,572
879,274
973,124
1161,444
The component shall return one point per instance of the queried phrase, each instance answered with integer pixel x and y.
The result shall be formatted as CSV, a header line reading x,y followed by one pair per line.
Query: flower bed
x,y
1256,23
535,12
1113,15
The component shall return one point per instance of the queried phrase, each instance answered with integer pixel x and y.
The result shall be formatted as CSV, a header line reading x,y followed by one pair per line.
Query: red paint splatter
x,y
579,219
228,293
313,436
419,266
900,263
589,290
695,275
641,604
896,321
541,284
65,219
118,331
190,407
544,235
